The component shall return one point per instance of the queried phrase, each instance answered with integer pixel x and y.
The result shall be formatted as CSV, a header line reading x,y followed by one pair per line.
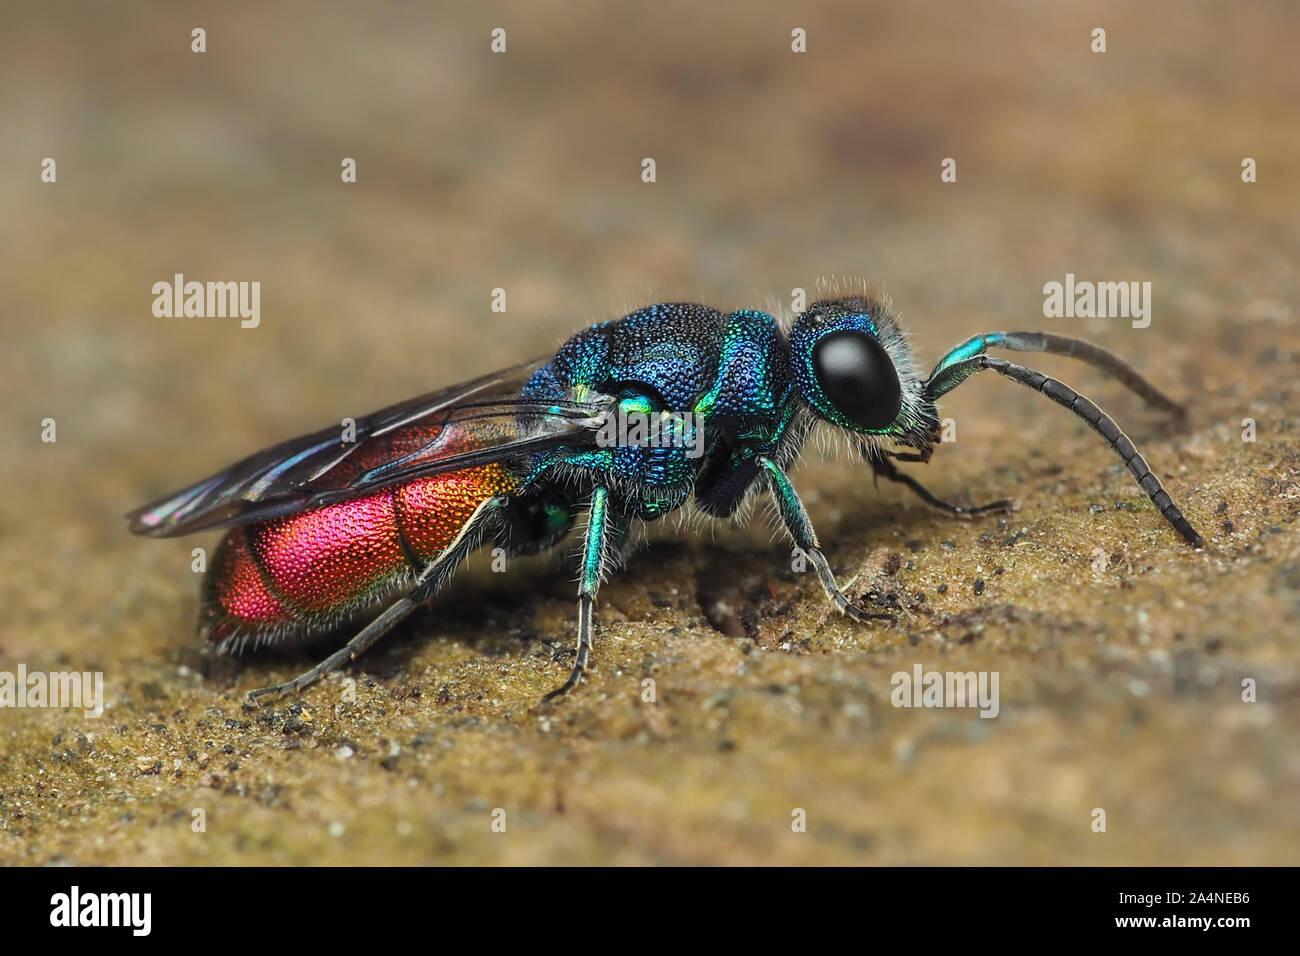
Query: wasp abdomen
x,y
303,573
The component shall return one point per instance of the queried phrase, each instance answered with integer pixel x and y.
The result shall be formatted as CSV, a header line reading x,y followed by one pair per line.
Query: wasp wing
x,y
475,423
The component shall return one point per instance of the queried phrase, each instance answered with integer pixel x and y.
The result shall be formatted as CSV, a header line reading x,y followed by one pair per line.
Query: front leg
x,y
884,467
801,530
593,555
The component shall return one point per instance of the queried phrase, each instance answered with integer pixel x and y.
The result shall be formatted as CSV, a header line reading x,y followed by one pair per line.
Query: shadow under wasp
x,y
323,529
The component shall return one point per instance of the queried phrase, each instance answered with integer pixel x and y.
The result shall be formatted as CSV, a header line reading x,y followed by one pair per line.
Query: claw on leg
x,y
805,539
837,595
588,583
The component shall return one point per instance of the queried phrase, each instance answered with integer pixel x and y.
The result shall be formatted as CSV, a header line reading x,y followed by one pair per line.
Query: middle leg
x,y
801,530
599,532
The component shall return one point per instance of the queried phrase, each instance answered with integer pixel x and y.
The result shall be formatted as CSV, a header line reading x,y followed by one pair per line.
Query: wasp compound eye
x,y
857,376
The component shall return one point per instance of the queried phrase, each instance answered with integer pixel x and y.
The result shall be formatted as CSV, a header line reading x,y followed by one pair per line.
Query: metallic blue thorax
x,y
726,376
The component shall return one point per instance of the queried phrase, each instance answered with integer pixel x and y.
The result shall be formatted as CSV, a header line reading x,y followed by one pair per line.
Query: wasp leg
x,y
429,580
885,467
593,552
805,539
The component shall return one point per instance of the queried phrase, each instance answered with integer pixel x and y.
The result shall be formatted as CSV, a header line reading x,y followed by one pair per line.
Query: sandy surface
x,y
1119,689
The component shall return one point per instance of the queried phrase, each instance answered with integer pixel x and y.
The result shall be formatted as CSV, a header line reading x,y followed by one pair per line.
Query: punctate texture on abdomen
x,y
305,572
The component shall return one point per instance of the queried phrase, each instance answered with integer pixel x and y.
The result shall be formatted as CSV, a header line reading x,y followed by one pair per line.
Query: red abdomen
x,y
308,572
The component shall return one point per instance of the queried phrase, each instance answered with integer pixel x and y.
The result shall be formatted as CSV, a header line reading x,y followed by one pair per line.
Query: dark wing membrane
x,y
472,424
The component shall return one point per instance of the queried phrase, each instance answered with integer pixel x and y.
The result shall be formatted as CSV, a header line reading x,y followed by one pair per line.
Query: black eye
x,y
856,374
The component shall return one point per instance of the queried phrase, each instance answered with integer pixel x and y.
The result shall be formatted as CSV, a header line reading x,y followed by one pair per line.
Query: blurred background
x,y
522,171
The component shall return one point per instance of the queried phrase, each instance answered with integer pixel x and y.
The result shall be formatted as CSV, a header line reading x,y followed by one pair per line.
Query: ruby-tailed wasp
x,y
323,528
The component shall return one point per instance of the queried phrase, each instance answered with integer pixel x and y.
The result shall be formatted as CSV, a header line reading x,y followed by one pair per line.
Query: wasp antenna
x,y
957,372
1094,355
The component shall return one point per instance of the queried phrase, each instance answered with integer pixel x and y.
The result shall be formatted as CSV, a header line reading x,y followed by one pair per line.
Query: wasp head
x,y
854,370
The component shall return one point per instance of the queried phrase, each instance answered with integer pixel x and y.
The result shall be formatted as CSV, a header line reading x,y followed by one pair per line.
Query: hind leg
x,y
434,574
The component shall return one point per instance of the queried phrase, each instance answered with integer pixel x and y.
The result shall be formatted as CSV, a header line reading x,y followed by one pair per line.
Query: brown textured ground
x,y
1119,690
